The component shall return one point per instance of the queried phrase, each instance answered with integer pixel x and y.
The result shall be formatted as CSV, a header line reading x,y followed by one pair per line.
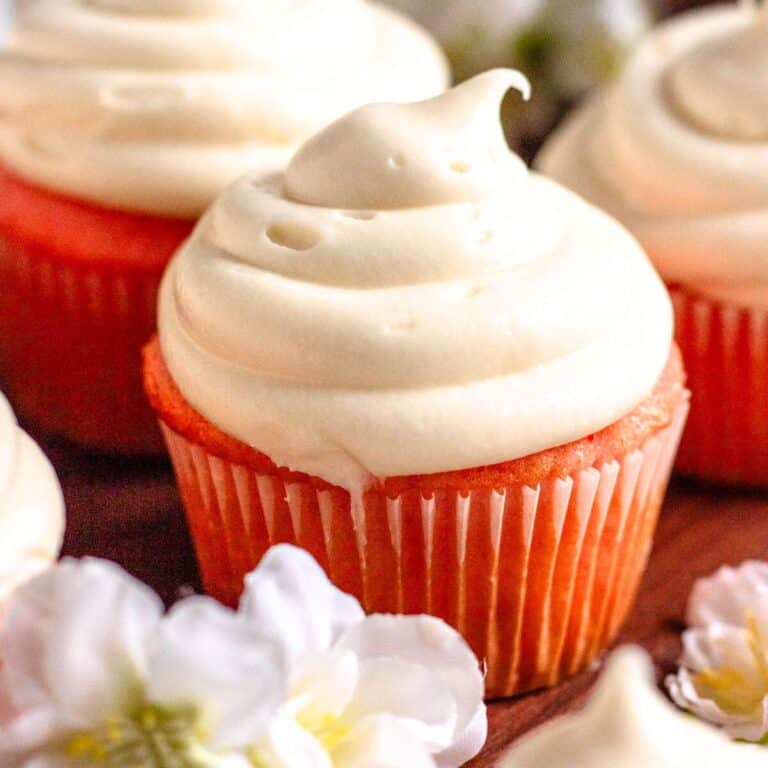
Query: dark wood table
x,y
131,513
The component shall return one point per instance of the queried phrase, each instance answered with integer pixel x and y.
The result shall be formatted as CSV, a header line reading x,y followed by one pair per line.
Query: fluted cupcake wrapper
x,y
725,348
538,580
70,348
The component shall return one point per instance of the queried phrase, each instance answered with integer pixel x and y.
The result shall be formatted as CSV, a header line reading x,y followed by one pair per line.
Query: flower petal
x,y
75,640
23,737
325,687
43,761
288,745
430,644
382,742
290,600
730,595
468,744
407,692
206,655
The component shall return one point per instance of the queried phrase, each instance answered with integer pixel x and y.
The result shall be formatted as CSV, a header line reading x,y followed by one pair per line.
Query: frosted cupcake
x,y
678,151
120,121
31,507
449,379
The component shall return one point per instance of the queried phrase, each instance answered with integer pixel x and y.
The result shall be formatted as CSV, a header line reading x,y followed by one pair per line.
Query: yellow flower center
x,y
148,737
329,731
730,689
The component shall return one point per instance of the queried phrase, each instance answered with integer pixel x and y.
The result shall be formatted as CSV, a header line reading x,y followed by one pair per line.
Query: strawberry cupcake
x,y
120,121
677,150
451,380
31,507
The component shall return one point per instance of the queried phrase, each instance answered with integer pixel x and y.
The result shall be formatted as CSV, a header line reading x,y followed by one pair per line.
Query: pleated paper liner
x,y
539,580
78,296
725,349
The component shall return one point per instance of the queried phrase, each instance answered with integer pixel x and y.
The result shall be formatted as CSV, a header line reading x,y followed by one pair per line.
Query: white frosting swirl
x,y
677,150
155,105
408,299
31,506
628,724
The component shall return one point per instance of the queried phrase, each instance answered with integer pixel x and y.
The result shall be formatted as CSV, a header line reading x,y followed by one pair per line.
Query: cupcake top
x,y
628,723
678,151
155,105
31,506
408,299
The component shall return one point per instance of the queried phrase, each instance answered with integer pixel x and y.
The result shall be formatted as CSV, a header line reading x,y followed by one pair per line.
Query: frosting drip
x,y
408,299
156,106
31,506
628,723
676,150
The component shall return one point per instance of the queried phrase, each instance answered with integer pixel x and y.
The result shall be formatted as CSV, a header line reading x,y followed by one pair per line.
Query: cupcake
x,y
628,723
31,507
677,151
119,124
450,380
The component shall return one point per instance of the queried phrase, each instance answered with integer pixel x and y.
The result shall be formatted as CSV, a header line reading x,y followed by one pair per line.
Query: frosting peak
x,y
155,105
449,149
367,321
628,723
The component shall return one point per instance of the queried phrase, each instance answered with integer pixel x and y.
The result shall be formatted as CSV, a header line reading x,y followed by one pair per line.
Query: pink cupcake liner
x,y
539,580
70,348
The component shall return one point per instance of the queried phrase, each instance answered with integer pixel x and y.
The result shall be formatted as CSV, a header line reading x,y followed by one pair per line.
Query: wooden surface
x,y
130,513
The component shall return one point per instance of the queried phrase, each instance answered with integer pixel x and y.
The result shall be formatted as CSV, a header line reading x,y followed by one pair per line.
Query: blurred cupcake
x,y
451,380
31,506
119,123
678,151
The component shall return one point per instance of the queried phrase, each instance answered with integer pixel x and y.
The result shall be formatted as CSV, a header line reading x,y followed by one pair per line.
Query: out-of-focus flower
x,y
377,692
724,669
95,674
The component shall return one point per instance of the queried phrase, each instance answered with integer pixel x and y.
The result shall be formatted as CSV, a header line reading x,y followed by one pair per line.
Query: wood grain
x,y
130,513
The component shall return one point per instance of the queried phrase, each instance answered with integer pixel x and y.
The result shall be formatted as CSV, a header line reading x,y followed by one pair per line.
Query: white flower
x,y
724,670
377,692
729,595
95,674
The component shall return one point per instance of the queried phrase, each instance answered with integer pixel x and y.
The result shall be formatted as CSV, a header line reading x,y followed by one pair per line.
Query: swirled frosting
x,y
677,150
155,105
31,506
407,299
628,723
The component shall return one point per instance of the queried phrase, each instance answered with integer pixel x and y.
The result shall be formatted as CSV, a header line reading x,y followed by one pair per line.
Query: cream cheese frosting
x,y
408,299
31,506
156,105
677,150
628,723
